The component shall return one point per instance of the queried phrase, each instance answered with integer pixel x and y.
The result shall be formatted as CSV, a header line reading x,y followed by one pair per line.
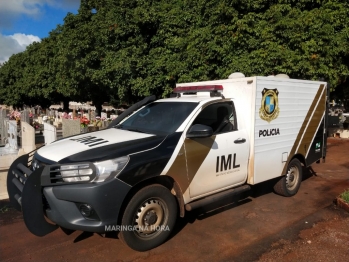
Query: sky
x,y
23,22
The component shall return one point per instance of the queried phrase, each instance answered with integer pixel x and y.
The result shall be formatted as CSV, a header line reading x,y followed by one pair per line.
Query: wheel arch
x,y
165,181
301,159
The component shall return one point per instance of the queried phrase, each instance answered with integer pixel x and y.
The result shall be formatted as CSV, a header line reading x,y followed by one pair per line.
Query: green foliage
x,y
345,196
124,50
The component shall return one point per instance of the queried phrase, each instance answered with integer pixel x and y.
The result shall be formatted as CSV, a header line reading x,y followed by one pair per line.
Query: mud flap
x,y
32,206
25,192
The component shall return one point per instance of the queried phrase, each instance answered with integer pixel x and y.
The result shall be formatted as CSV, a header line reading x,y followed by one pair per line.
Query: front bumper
x,y
61,203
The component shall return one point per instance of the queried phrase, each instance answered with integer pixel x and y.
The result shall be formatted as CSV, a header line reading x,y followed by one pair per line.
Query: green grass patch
x,y
345,196
4,209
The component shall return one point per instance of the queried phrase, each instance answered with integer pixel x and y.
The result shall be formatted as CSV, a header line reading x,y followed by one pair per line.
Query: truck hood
x,y
97,146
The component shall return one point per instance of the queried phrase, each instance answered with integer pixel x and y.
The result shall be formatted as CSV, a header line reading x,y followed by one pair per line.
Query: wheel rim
x,y
292,178
150,216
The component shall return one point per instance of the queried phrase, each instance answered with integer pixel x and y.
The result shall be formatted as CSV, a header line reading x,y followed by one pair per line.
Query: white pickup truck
x,y
162,158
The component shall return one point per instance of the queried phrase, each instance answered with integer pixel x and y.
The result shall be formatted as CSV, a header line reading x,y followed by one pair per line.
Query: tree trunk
x,y
66,105
98,106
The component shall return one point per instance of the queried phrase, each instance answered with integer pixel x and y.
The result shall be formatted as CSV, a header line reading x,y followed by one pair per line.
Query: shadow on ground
x,y
232,202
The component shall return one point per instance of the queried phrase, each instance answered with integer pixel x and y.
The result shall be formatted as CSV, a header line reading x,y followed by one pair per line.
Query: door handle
x,y
240,141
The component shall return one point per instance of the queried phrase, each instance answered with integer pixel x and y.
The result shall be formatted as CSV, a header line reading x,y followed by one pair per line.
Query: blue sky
x,y
25,21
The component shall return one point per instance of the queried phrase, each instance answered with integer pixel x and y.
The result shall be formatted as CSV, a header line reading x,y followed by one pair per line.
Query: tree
x,y
127,49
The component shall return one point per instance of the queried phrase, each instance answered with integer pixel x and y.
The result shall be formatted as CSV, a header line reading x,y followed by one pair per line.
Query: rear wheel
x,y
289,184
149,218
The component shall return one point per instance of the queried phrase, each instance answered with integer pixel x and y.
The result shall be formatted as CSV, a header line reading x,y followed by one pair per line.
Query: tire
x,y
154,203
289,184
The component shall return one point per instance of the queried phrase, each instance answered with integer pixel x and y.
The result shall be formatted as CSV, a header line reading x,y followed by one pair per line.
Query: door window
x,y
219,116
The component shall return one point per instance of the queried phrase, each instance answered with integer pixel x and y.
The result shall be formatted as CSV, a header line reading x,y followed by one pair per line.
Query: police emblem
x,y
270,105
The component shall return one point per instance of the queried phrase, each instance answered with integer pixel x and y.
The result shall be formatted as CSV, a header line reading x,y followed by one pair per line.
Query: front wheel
x,y
149,218
289,184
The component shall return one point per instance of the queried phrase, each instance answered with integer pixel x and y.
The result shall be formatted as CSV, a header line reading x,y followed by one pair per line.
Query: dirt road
x,y
257,226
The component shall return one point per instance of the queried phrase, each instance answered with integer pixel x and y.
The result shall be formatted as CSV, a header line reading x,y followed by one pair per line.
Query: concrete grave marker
x,y
12,135
3,128
50,133
105,124
25,116
93,115
70,127
28,138
9,152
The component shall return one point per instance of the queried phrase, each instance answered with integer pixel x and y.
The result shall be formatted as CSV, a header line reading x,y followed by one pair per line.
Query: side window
x,y
219,116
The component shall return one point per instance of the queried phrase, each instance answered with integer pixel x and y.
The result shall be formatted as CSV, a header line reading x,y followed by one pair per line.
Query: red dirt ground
x,y
260,226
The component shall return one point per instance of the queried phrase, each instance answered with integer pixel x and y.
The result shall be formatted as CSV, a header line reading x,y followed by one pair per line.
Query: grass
x,y
345,196
4,209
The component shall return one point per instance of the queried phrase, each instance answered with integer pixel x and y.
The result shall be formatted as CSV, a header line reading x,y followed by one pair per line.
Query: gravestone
x,y
93,115
105,124
28,138
3,128
8,153
57,122
70,127
40,120
25,116
11,135
104,115
50,133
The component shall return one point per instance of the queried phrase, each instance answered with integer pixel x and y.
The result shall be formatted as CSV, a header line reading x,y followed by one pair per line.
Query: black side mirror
x,y
197,131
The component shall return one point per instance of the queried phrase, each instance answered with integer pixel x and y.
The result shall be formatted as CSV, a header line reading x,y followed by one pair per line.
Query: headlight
x,y
74,173
107,168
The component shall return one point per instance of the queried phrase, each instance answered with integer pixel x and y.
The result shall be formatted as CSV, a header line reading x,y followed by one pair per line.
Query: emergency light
x,y
194,89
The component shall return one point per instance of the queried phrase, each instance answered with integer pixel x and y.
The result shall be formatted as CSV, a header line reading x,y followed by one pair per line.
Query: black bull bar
x,y
25,193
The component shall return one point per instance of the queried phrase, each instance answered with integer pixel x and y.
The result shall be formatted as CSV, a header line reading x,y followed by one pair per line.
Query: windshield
x,y
158,118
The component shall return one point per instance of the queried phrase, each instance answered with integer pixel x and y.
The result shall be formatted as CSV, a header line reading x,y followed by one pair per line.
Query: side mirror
x,y
197,131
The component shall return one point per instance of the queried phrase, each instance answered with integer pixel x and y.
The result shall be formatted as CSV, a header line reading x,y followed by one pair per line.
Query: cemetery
x,y
338,122
24,130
